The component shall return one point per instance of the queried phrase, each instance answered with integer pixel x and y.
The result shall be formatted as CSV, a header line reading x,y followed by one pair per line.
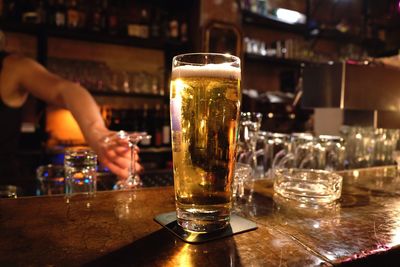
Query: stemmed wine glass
x,y
250,124
132,140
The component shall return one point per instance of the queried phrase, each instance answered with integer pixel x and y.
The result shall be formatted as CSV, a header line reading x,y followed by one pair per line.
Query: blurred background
x,y
121,51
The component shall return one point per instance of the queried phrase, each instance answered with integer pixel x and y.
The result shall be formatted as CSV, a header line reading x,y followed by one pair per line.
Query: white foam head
x,y
223,70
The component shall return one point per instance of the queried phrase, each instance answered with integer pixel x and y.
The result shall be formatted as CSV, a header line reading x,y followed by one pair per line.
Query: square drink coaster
x,y
237,225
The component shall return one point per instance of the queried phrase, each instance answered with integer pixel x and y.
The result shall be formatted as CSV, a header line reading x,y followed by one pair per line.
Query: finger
x,y
121,150
120,172
111,156
138,167
116,144
122,162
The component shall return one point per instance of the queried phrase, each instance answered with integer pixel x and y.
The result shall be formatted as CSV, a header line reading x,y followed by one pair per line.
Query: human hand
x,y
393,61
113,151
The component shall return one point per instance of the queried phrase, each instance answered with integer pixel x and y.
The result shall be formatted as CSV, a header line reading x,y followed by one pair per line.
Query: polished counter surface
x,y
116,228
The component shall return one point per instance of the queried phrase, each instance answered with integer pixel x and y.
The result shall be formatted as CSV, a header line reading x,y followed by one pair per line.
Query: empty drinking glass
x,y
131,140
50,180
241,177
334,151
250,123
80,166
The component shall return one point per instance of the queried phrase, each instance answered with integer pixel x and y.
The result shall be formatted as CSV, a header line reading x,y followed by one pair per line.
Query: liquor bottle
x,y
96,17
145,126
166,127
1,8
115,120
132,27
112,19
124,121
51,12
12,10
135,119
144,31
72,15
157,129
83,14
155,27
138,24
173,28
183,31
104,16
41,12
60,14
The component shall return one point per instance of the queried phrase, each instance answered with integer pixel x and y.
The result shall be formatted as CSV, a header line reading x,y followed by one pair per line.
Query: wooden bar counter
x,y
116,228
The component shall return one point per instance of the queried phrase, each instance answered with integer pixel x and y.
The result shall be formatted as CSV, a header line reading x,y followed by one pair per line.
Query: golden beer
x,y
205,103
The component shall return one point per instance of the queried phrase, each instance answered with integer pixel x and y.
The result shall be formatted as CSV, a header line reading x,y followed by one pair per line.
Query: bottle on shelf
x,y
96,17
155,27
104,16
138,25
132,23
41,12
144,24
60,14
114,120
12,10
183,31
135,118
2,8
166,127
157,129
112,19
83,14
145,125
72,15
173,28
51,12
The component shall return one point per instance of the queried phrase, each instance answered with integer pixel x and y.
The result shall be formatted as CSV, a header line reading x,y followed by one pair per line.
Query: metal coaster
x,y
237,225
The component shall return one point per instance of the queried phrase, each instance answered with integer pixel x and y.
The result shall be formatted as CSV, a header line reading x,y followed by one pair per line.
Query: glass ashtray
x,y
308,185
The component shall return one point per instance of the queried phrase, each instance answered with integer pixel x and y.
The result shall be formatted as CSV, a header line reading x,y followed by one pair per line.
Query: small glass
x,y
250,123
308,186
130,140
80,166
50,180
241,177
9,191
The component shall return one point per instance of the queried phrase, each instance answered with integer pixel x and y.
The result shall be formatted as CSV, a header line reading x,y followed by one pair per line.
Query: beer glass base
x,y
202,221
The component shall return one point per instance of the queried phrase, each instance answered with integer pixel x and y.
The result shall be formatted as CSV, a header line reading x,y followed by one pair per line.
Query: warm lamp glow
x,y
61,125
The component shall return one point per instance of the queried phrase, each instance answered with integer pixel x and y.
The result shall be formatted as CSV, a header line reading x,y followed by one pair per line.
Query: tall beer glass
x,y
205,104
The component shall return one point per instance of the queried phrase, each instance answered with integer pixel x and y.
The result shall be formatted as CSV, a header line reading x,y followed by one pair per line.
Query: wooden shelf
x,y
271,22
276,61
135,95
91,36
336,35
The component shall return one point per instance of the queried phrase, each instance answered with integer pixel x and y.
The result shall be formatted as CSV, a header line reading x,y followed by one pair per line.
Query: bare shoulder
x,y
393,61
18,62
11,92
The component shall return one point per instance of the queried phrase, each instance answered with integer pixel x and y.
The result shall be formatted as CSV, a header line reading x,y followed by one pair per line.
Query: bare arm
x,y
28,75
393,61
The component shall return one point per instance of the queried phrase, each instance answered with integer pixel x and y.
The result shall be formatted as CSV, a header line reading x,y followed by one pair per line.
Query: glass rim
x,y
286,171
80,150
236,59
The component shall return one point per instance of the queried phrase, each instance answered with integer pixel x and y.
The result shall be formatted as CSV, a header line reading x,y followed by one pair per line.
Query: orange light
x,y
61,125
